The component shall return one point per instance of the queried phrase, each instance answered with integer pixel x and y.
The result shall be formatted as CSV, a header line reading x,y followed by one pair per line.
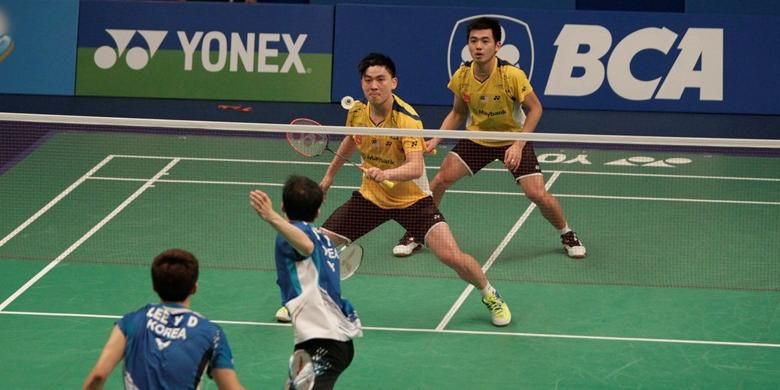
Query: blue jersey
x,y
170,347
311,289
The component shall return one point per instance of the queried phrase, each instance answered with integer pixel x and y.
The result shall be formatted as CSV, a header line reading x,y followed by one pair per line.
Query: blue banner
x,y
38,46
577,60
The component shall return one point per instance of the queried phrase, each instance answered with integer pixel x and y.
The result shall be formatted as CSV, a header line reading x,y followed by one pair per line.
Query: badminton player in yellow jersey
x,y
400,160
492,94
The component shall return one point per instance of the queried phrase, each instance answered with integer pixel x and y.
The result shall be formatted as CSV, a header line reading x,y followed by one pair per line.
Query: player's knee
x,y
538,196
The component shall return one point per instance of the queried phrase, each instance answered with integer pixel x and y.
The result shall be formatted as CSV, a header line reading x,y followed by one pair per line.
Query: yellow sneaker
x,y
499,311
282,315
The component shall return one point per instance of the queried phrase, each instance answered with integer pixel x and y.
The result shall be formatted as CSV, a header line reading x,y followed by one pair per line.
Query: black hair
x,y
174,275
301,198
376,59
485,23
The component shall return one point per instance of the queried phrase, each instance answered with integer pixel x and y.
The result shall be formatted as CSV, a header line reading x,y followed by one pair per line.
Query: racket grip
x,y
388,183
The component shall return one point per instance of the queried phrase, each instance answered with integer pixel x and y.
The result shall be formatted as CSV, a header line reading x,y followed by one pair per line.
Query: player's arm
x,y
261,202
533,113
411,169
112,353
226,379
346,148
453,121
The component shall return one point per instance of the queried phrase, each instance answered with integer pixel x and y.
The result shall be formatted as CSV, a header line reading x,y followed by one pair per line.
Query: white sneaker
x,y
573,245
406,246
282,315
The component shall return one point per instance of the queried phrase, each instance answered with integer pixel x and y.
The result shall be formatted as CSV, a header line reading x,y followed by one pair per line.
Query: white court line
x,y
500,193
451,331
54,201
87,235
436,168
462,298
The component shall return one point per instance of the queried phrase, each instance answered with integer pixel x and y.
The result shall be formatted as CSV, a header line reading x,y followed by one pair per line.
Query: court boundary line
x,y
436,167
446,331
493,256
87,235
56,200
498,193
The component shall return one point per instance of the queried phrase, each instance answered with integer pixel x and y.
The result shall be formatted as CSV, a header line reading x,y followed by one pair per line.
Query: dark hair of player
x,y
174,275
484,23
376,59
301,198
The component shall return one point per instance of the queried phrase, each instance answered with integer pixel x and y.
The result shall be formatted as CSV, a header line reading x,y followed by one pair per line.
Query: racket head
x,y
307,144
351,257
300,372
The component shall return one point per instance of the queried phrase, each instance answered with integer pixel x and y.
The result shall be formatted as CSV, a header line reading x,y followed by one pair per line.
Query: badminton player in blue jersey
x,y
166,345
308,274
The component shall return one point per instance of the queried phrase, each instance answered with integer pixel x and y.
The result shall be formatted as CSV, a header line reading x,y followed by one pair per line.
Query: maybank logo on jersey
x,y
582,49
252,52
517,43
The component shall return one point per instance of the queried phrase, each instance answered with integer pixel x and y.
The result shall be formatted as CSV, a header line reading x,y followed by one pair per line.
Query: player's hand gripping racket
x,y
351,257
312,145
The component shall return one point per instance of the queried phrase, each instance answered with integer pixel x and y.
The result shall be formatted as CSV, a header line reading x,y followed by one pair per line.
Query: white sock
x,y
487,290
565,229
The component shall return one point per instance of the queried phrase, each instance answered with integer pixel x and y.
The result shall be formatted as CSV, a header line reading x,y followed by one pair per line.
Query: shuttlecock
x,y
347,102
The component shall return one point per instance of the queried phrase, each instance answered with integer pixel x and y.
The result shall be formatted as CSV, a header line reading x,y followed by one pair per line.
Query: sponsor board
x,y
205,51
578,60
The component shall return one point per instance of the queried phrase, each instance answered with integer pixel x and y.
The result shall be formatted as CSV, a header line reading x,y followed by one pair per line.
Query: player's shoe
x,y
406,246
573,245
282,315
499,310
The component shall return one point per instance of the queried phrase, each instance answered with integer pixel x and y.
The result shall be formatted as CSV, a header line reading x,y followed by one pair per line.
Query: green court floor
x,y
680,289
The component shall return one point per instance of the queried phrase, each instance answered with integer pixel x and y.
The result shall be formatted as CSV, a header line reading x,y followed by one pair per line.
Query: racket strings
x,y
308,144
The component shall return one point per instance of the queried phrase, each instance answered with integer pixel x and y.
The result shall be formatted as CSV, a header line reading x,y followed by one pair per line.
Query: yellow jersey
x,y
494,104
386,152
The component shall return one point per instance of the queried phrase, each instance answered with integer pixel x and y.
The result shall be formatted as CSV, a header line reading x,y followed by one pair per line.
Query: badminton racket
x,y
313,145
351,257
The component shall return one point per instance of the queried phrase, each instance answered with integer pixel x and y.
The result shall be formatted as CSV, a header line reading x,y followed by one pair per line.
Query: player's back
x,y
170,347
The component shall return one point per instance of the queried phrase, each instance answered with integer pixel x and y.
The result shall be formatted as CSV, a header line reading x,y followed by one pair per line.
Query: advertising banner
x,y
38,46
205,51
577,60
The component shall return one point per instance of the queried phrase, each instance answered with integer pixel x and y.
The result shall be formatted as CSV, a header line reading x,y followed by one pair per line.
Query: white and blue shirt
x,y
311,289
170,347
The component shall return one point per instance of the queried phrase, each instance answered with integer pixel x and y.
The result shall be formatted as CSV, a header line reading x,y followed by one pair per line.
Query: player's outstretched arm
x,y
112,353
261,203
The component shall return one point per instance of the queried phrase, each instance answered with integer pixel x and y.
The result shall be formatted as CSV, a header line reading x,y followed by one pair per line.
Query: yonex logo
x,y
6,42
515,37
250,52
136,57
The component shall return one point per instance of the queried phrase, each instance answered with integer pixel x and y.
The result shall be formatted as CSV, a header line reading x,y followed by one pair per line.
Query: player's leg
x,y
442,243
530,178
458,163
353,220
423,219
452,169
